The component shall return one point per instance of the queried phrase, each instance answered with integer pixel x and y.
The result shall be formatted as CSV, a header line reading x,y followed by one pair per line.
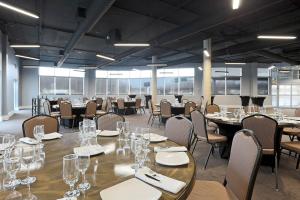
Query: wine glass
x,y
236,113
82,165
28,158
38,132
12,164
126,132
7,141
70,174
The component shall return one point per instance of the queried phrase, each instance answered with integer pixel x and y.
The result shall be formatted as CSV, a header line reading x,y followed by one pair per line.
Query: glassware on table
x,y
138,154
119,127
71,174
38,132
147,139
7,142
82,165
236,113
12,164
126,132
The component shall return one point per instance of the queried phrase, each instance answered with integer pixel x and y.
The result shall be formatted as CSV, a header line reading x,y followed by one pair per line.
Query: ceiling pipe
x,y
95,12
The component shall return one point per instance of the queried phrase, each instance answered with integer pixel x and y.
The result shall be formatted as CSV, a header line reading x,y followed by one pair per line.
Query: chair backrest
x,y
50,125
264,128
47,109
189,107
65,109
85,99
59,100
212,108
120,103
165,109
104,106
245,156
99,101
109,121
297,112
91,108
179,129
138,102
199,123
184,101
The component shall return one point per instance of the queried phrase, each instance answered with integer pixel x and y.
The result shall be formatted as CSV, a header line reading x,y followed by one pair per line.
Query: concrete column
x,y
4,41
197,82
89,83
154,80
206,85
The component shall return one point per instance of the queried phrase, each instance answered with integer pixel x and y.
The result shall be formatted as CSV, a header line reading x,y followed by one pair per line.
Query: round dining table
x,y
105,170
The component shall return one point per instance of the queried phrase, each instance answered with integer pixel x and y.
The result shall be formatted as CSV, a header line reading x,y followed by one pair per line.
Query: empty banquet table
x,y
105,170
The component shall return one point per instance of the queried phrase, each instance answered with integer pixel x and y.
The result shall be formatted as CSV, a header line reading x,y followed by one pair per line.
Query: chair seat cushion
x,y
55,114
212,124
100,112
268,151
214,138
210,190
68,117
291,131
211,129
293,146
156,112
87,116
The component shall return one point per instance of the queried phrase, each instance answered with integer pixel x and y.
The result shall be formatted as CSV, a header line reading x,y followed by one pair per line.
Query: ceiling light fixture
x,y
134,69
200,68
25,46
19,10
206,53
235,4
105,57
131,45
271,67
157,65
27,57
277,37
30,67
284,71
235,63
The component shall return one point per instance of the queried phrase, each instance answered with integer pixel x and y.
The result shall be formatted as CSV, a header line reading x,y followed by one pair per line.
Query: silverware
x,y
152,177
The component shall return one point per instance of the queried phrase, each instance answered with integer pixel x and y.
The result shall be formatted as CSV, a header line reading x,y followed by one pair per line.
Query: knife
x,y
149,176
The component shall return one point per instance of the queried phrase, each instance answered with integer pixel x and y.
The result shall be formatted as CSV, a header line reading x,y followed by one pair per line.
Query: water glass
x,y
138,154
71,174
38,132
126,132
82,165
7,141
28,158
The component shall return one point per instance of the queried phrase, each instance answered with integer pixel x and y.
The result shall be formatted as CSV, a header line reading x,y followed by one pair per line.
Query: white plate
x,y
52,136
132,189
89,150
157,138
172,158
28,140
107,133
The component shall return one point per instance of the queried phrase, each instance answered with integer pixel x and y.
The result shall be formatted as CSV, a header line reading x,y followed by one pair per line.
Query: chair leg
x,y
276,173
210,150
194,145
149,118
298,161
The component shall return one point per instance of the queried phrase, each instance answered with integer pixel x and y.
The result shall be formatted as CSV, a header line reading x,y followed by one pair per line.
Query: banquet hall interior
x,y
149,99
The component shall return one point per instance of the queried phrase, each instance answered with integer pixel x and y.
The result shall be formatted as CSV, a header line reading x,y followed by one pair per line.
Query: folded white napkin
x,y
156,138
107,133
170,149
165,183
28,140
51,136
89,150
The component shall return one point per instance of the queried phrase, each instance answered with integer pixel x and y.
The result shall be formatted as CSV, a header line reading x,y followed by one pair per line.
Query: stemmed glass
x,y
82,165
28,158
38,132
12,164
7,141
126,132
70,174
236,113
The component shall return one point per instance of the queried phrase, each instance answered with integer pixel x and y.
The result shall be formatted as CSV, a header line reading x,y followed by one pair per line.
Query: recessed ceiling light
x,y
105,57
200,68
157,65
25,46
206,53
277,37
235,4
134,69
19,10
131,44
235,63
27,57
30,67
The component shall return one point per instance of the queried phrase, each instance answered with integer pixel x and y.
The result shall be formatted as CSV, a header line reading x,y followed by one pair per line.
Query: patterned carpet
x,y
289,177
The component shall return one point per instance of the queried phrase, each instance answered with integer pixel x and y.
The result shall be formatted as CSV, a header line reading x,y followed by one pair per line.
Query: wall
x,y
29,86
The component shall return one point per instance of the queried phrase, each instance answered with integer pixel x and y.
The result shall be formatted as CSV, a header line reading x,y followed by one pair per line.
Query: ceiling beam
x,y
95,12
276,57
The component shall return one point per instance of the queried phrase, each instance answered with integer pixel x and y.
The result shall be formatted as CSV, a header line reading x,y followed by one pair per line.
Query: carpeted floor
x,y
289,177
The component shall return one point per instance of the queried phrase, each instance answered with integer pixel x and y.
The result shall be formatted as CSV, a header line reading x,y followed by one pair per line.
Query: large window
x,y
60,81
226,81
263,76
169,82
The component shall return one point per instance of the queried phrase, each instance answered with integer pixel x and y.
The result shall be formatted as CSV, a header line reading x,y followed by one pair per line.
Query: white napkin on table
x,y
28,140
165,183
51,136
89,150
170,149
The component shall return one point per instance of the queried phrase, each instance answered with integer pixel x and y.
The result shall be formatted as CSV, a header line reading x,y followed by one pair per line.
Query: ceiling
x,y
174,28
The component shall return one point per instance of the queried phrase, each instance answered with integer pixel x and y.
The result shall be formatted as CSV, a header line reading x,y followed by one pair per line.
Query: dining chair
x,y
265,129
121,106
165,110
50,125
108,121
292,131
292,146
59,100
47,110
99,101
90,111
66,113
211,109
245,156
103,109
153,113
179,129
138,105
202,134
188,108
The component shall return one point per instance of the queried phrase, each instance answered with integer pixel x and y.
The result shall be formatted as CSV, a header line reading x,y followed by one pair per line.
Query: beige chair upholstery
x,y
179,129
50,125
292,132
66,112
293,146
103,110
165,109
99,101
109,121
265,129
201,133
90,111
47,109
138,105
153,113
241,172
121,105
188,108
212,108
